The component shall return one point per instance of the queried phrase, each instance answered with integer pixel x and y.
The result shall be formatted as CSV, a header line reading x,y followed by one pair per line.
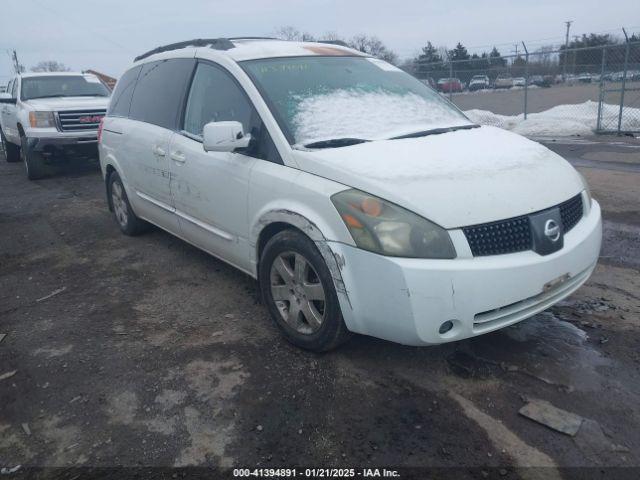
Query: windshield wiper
x,y
335,143
435,131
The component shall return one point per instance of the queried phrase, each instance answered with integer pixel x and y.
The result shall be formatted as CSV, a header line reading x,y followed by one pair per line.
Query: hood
x,y
455,179
57,104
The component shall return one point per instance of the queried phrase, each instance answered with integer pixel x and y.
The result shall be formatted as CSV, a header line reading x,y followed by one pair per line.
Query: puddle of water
x,y
550,349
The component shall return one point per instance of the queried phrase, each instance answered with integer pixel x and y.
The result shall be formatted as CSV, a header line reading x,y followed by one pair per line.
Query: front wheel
x,y
298,289
33,162
11,151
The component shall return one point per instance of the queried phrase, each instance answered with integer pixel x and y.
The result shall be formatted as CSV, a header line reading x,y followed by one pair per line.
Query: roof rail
x,y
215,43
252,38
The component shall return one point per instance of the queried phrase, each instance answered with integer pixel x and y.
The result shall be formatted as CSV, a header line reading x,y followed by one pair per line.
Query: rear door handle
x,y
178,157
158,151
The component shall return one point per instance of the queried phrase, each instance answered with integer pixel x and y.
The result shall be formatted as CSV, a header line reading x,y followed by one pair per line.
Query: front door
x,y
210,188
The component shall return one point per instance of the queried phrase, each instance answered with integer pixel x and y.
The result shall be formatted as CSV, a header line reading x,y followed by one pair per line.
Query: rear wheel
x,y
298,289
128,222
11,151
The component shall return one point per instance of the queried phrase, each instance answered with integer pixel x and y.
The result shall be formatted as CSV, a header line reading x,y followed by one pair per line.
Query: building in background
x,y
106,79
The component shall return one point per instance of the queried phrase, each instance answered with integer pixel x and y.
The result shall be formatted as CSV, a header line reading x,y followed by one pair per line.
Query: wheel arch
x,y
108,171
275,221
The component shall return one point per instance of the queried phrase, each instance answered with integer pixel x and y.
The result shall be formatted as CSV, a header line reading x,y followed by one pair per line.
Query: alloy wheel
x,y
297,292
119,203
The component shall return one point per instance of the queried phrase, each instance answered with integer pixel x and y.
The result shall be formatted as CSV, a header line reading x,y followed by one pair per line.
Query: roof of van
x,y
252,49
240,49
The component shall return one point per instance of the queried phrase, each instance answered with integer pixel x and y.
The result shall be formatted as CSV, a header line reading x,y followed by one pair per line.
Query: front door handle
x,y
158,151
178,157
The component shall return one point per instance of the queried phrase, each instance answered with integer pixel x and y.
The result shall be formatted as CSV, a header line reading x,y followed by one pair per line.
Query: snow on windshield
x,y
369,115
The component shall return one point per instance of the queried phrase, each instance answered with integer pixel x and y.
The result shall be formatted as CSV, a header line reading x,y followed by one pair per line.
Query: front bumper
x,y
406,300
60,148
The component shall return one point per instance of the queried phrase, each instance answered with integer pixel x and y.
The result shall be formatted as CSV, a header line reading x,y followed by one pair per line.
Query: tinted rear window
x,y
158,95
121,98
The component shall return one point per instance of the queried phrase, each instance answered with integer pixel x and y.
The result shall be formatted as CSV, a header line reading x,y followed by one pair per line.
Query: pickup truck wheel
x,y
33,162
298,289
128,222
11,151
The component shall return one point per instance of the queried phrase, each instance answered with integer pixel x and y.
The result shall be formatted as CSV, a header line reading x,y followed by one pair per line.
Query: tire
x,y
33,162
11,151
128,222
316,322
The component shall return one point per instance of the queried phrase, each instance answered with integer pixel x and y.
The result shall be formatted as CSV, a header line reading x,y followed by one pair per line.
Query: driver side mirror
x,y
224,137
6,98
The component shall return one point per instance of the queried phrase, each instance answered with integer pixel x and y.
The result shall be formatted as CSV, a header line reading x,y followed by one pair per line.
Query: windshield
x,y
316,99
63,86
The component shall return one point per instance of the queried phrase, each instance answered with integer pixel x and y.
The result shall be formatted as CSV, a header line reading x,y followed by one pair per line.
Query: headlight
x,y
41,119
382,227
587,190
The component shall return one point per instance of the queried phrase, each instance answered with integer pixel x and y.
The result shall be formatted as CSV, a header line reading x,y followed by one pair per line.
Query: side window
x,y
214,97
158,95
9,87
121,98
14,89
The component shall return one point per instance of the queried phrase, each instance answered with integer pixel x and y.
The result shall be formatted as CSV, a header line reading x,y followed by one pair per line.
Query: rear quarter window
x,y
121,98
159,92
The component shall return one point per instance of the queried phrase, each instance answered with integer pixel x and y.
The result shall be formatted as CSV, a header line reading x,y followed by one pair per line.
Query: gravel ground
x,y
147,352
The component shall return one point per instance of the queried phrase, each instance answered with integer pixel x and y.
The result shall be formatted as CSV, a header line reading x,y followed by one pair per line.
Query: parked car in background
x,y
479,82
541,81
585,78
447,85
3,88
360,199
503,81
519,81
48,117
431,82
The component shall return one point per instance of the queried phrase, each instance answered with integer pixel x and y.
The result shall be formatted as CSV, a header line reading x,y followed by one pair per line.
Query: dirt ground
x,y
147,352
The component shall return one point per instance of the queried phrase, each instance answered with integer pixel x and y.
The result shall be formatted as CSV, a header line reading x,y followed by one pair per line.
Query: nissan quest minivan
x,y
359,198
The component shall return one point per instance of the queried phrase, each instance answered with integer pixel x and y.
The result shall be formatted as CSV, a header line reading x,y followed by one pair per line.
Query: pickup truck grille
x,y
514,234
80,120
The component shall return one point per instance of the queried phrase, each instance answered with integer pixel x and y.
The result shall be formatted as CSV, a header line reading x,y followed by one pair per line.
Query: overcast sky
x,y
106,35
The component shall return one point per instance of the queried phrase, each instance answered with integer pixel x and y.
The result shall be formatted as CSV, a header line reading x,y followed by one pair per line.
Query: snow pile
x,y
562,120
368,114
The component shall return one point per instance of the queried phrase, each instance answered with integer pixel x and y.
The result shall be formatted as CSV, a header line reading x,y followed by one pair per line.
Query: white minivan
x,y
360,199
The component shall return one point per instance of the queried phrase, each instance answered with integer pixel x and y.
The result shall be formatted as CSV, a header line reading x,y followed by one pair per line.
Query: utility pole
x,y
16,63
566,46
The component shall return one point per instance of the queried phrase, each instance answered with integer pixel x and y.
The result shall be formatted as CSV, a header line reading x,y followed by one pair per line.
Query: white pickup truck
x,y
46,118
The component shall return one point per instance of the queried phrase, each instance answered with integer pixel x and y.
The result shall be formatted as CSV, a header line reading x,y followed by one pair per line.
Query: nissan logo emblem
x,y
552,230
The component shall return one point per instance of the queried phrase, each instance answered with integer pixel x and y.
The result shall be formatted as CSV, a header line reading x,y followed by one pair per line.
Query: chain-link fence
x,y
547,91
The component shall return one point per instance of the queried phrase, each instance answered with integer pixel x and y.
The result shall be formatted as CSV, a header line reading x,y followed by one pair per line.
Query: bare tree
x,y
374,47
289,32
50,66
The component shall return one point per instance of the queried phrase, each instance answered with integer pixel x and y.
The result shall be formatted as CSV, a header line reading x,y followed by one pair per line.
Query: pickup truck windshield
x,y
62,86
318,99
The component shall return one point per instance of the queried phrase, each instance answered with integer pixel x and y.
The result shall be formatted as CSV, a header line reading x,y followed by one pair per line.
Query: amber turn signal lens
x,y
351,221
372,207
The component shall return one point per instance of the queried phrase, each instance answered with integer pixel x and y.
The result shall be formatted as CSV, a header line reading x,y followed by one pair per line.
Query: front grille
x,y
514,234
80,120
496,238
571,212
